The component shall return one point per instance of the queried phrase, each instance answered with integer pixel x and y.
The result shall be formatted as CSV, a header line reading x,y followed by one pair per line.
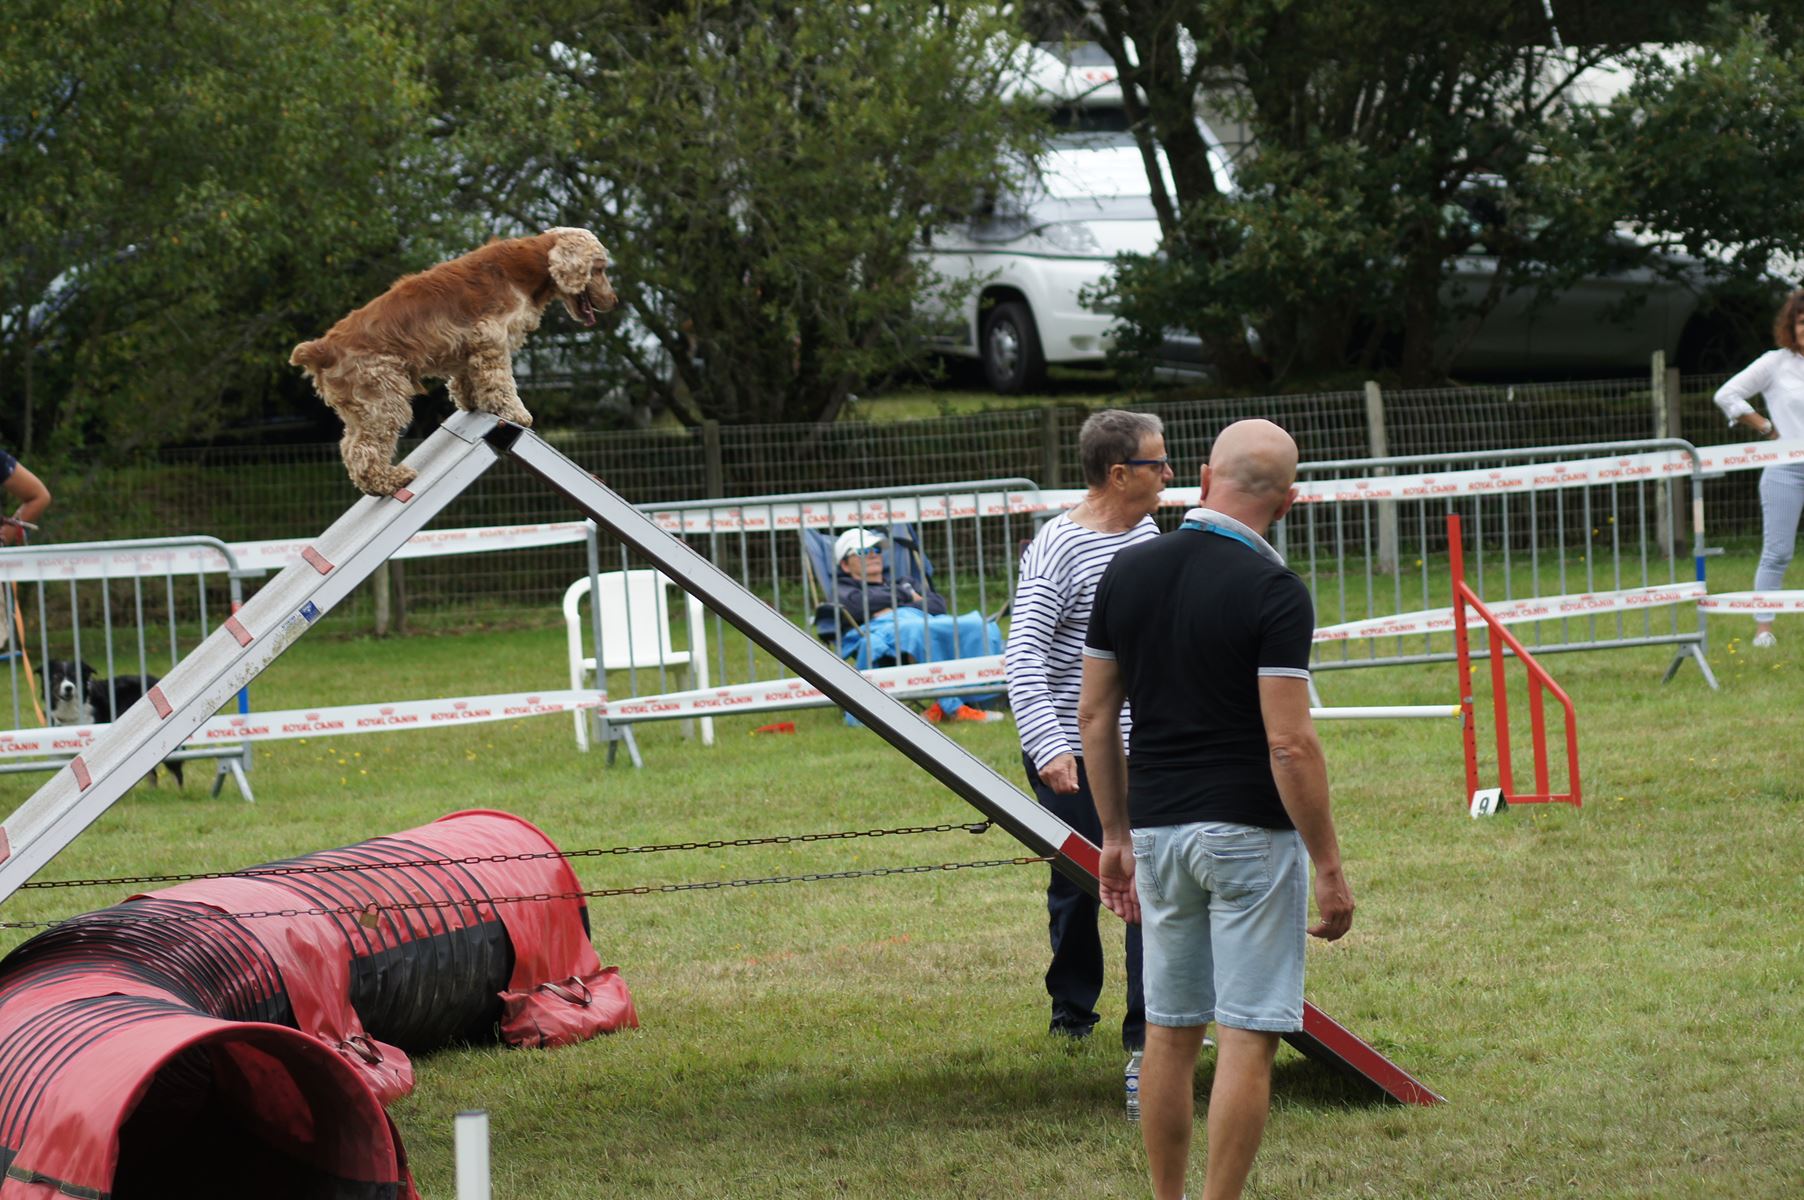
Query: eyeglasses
x,y
864,551
1161,463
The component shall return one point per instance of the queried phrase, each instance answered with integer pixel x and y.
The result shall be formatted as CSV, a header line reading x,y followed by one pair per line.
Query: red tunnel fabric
x,y
204,1054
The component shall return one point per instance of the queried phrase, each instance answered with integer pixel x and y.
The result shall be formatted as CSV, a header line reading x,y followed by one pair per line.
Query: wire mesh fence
x,y
264,493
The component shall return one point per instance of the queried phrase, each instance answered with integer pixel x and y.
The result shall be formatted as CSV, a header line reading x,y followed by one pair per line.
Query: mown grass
x,y
1610,998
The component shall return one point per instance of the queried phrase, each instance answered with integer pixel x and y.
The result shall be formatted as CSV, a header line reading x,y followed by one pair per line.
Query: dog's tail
x,y
317,355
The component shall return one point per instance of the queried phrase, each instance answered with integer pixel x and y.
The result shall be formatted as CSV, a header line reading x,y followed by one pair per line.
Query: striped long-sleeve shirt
x,y
1047,621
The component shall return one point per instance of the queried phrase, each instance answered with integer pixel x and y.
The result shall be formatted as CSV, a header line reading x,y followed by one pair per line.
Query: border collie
x,y
79,696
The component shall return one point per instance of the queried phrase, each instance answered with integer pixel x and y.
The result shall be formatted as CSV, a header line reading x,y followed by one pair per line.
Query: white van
x,y
1012,278
1034,255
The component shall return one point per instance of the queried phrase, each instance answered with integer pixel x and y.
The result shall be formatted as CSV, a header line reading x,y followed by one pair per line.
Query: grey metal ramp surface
x,y
233,654
957,768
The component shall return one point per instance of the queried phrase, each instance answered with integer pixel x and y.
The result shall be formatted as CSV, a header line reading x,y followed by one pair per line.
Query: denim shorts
x,y
1222,914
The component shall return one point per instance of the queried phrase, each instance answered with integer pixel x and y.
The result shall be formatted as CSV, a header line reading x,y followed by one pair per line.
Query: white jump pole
x,y
1402,712
473,1155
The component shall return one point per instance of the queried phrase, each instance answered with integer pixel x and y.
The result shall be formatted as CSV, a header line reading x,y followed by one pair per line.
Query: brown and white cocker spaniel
x,y
460,321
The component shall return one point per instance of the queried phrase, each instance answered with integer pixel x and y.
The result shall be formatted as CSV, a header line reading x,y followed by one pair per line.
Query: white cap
x,y
854,540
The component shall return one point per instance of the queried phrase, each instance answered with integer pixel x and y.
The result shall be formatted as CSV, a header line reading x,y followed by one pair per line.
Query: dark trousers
x,y
1074,980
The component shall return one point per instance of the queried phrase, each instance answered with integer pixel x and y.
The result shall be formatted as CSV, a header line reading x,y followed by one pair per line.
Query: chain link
x,y
471,860
369,912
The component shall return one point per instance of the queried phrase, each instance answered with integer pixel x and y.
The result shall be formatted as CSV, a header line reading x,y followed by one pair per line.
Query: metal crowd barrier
x,y
969,534
117,607
1604,540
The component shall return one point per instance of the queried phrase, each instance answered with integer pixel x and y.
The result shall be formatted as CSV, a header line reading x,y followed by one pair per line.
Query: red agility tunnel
x,y
240,1036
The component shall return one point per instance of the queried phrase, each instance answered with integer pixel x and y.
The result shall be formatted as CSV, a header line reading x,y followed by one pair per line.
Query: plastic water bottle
x,y
1132,1081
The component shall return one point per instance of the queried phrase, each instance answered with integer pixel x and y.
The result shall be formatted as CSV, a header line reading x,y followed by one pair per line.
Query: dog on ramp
x,y
79,696
460,321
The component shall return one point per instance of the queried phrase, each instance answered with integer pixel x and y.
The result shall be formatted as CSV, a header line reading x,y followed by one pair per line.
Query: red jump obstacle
x,y
1485,801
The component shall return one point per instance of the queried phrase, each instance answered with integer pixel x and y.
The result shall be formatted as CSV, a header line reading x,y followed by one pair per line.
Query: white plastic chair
x,y
635,634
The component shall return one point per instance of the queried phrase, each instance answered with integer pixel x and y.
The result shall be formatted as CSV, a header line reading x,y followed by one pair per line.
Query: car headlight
x,y
1073,237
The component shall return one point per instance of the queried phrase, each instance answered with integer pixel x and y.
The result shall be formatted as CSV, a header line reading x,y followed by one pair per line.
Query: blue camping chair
x,y
904,635
832,621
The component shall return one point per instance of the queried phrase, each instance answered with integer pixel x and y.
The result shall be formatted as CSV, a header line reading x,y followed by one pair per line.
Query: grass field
x,y
1610,998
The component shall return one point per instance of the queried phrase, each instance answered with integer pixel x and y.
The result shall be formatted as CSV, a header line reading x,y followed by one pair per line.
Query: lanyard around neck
x,y
1219,532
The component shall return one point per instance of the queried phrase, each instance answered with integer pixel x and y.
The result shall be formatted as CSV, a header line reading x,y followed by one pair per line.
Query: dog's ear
x,y
574,252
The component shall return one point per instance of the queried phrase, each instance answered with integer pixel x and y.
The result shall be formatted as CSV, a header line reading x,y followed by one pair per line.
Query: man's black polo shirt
x,y
1193,619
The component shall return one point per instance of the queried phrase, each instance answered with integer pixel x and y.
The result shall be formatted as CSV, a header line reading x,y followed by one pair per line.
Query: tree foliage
x,y
758,171
188,185
1388,139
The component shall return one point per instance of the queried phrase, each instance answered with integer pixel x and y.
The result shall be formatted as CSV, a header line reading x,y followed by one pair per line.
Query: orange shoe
x,y
970,712
934,713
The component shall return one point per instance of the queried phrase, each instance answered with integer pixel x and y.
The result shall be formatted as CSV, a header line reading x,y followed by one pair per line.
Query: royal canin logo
x,y
721,701
463,712
312,725
459,705
1431,489
388,718
386,711
240,729
992,673
937,677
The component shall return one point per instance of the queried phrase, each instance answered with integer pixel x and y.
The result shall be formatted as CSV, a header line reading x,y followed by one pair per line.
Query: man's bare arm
x,y
1301,773
1099,726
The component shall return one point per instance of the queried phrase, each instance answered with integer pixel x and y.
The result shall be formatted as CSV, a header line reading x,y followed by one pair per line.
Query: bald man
x,y
1210,825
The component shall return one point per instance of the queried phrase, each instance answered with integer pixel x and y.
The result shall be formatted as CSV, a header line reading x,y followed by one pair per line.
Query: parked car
x,y
1015,279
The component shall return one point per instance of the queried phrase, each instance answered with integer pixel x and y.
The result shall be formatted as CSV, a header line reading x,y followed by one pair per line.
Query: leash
x,y
31,677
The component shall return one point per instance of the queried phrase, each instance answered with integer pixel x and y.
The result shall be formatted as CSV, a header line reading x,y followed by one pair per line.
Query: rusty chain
x,y
470,860
370,914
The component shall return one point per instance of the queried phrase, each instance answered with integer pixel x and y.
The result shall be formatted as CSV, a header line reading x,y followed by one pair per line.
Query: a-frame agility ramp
x,y
375,527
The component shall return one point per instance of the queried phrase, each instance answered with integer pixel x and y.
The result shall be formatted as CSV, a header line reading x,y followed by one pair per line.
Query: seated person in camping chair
x,y
896,621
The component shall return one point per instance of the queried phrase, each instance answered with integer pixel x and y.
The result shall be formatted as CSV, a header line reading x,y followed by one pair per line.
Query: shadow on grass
x,y
960,1087
1300,1082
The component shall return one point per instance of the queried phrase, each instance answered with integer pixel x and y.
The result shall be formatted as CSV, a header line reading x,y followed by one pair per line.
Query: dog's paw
x,y
519,416
384,481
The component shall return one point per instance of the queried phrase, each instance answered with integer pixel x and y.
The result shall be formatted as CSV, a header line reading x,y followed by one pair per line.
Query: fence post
x,y
379,581
1049,447
1379,447
715,480
1675,423
1664,386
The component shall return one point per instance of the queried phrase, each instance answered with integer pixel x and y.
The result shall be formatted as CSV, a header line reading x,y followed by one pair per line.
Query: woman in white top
x,y
1778,376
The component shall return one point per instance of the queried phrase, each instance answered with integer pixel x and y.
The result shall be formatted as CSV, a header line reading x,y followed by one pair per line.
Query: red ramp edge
x,y
1327,1040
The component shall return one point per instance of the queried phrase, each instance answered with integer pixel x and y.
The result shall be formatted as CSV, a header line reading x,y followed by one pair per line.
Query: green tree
x,y
1701,154
187,185
758,170
1387,139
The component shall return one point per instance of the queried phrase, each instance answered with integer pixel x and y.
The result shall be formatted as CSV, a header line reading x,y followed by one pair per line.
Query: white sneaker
x,y
1764,640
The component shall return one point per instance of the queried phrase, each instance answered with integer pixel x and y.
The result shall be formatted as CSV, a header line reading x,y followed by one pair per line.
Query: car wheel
x,y
1012,360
